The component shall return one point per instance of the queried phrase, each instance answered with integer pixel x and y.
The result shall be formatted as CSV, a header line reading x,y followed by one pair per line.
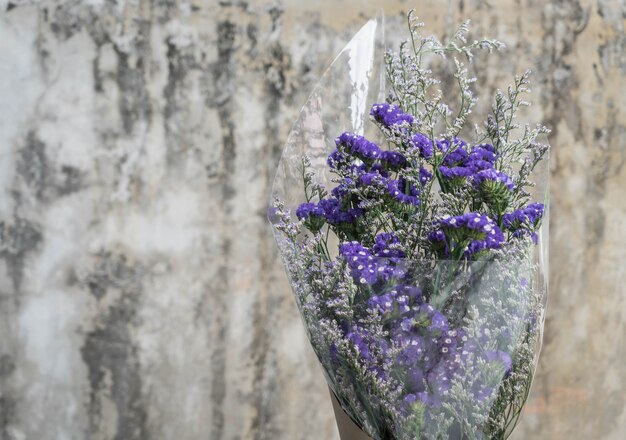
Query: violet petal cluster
x,y
455,172
359,146
335,214
525,221
309,209
402,191
389,115
529,216
477,165
365,268
386,246
495,176
425,176
393,160
361,262
423,144
473,231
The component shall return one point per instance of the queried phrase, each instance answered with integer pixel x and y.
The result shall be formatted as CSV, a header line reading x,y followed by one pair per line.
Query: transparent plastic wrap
x,y
411,347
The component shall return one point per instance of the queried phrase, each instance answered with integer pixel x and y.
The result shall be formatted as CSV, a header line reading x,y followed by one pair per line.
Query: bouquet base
x,y
348,430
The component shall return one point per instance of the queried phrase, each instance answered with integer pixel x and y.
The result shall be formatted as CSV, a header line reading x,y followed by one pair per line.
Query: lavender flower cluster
x,y
399,179
425,314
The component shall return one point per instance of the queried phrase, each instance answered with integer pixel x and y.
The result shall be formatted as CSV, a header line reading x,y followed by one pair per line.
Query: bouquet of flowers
x,y
417,257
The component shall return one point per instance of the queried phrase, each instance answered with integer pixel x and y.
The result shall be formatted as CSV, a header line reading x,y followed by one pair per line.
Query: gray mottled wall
x,y
140,292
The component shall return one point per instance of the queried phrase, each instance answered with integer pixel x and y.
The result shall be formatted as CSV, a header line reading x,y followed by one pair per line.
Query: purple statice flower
x,y
476,231
343,189
340,160
439,378
477,165
335,359
455,172
459,164
430,351
367,268
383,246
380,372
528,216
371,178
413,293
389,115
399,300
448,341
397,189
393,160
407,324
335,214
425,176
306,210
424,145
359,146
495,176
362,264
472,220
483,152
481,157
501,357
437,235
455,157
354,248
535,237
357,169
428,399
524,221
388,269
482,223
334,355
534,212
312,214
377,167
331,207
384,304
428,317
376,175
492,241
413,347
523,282
444,362
493,236
440,243
438,323
415,380
475,247
337,160
358,337
403,302
514,220
422,398
445,144
456,222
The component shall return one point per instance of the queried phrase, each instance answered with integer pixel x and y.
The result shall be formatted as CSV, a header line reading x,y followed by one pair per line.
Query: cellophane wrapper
x,y
425,349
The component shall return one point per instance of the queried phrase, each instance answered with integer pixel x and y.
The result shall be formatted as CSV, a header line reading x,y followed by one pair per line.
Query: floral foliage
x,y
414,272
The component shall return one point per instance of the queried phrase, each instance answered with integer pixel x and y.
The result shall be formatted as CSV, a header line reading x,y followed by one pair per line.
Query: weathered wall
x,y
140,292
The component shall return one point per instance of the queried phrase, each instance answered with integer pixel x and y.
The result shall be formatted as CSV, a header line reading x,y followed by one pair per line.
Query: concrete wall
x,y
140,292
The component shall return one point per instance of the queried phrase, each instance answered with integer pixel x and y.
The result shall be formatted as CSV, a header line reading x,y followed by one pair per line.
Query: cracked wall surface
x,y
141,295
